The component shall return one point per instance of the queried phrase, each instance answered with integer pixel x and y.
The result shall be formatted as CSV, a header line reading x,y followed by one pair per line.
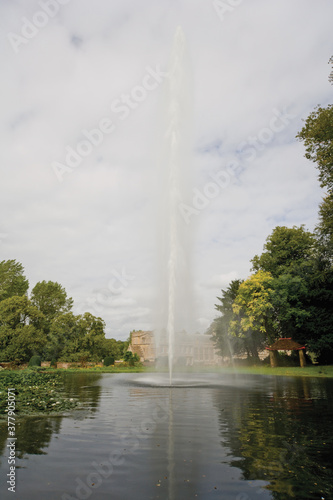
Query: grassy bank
x,y
286,371
290,371
100,369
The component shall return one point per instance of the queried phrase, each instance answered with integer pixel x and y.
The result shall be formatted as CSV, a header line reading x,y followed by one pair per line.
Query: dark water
x,y
210,437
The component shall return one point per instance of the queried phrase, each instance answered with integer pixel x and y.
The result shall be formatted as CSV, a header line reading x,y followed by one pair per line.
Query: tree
x,y
113,348
317,330
254,306
131,359
19,311
51,299
227,344
93,338
74,337
317,135
324,229
12,279
286,250
64,337
20,332
289,305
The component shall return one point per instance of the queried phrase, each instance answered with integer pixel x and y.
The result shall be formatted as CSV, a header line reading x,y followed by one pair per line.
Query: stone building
x,y
143,344
192,349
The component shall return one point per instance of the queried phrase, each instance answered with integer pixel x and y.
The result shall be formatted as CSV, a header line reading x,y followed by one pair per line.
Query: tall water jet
x,y
174,181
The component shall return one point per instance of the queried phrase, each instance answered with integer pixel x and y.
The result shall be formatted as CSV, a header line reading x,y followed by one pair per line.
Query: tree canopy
x,y
285,250
51,299
12,279
20,333
317,135
289,295
45,324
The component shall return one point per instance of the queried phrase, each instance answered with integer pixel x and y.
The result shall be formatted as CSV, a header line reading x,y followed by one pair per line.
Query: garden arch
x,y
286,344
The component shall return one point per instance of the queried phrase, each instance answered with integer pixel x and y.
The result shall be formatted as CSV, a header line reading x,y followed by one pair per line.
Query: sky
x,y
81,92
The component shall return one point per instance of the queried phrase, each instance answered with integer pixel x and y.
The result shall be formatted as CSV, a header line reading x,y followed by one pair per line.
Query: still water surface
x,y
209,437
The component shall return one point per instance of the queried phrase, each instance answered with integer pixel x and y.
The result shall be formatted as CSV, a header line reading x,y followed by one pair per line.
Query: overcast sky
x,y
84,214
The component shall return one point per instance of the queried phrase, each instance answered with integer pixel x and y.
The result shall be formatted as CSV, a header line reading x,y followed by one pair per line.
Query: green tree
x,y
20,334
51,299
227,344
64,337
113,348
302,285
93,335
285,251
317,135
324,228
289,306
255,309
12,279
131,359
317,330
74,337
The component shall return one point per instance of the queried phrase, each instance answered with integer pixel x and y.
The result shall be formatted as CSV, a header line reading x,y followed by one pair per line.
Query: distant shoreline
x,y
322,371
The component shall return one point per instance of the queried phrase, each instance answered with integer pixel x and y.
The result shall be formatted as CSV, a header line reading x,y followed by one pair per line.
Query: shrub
x,y
35,361
53,363
109,360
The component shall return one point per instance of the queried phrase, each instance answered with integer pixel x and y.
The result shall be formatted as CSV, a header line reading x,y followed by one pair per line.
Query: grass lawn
x,y
286,371
289,371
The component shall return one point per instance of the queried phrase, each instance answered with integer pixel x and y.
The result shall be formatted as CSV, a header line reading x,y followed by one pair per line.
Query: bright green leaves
x,y
51,299
317,135
253,304
285,250
12,280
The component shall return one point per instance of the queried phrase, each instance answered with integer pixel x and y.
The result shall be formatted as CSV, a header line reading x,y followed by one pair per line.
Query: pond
x,y
211,436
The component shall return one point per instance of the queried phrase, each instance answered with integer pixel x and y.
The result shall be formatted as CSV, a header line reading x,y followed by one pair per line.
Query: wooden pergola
x,y
286,344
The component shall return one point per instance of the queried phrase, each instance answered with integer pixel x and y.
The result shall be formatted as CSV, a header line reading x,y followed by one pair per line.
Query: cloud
x,y
103,216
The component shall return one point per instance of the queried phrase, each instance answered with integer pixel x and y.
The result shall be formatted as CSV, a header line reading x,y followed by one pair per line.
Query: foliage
x,y
12,280
317,135
324,228
290,312
36,392
254,312
114,348
289,295
131,359
46,325
317,331
53,363
227,344
285,251
330,78
20,333
108,361
51,299
18,311
63,332
76,338
35,361
254,299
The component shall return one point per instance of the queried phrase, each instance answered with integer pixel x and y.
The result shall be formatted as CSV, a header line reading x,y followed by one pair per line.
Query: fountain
x,y
174,181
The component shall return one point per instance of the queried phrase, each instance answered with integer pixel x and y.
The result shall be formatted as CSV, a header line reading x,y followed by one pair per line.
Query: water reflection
x,y
34,433
276,436
236,438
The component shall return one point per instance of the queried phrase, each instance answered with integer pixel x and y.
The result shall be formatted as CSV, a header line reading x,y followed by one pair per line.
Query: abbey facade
x,y
192,349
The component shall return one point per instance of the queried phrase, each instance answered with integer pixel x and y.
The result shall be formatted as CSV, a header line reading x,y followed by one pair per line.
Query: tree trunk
x,y
302,360
273,358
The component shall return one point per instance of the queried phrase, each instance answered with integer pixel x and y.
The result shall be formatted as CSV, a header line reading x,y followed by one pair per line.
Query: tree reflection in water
x,y
34,433
281,435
